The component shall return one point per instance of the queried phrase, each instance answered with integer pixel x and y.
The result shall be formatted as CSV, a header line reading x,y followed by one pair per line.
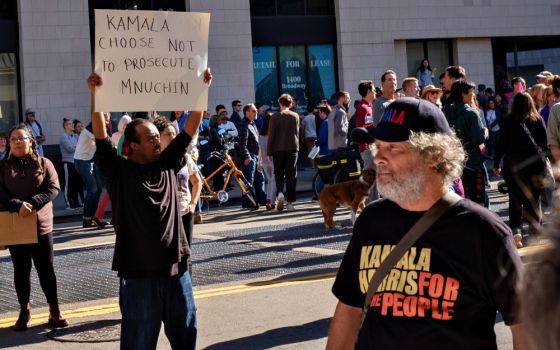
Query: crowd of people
x,y
422,140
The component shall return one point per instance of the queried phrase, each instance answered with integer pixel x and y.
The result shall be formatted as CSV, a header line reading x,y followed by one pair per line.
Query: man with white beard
x,y
445,290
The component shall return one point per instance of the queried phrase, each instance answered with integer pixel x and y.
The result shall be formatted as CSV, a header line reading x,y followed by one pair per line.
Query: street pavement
x,y
262,281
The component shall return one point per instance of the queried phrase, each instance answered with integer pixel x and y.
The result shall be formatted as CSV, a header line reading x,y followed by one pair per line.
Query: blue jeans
x,y
146,302
92,182
255,178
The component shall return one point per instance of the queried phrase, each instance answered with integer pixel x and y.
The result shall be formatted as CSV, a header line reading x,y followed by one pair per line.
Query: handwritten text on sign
x,y
151,60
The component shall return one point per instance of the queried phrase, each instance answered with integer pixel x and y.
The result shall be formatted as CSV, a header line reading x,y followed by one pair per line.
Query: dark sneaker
x,y
88,223
100,223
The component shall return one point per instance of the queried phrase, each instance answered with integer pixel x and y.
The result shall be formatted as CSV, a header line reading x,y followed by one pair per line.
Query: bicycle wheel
x,y
315,184
248,192
250,197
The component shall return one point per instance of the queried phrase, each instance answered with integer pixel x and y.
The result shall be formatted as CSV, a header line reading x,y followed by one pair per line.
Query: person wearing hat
x,y
445,291
36,129
432,94
226,124
542,77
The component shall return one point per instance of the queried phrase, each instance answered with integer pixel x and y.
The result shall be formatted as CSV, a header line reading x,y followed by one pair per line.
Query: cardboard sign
x,y
15,229
151,60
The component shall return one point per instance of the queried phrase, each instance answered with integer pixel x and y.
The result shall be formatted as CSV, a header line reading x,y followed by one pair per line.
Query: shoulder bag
x,y
548,175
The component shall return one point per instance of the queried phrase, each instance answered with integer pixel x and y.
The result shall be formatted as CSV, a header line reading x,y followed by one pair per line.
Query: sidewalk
x,y
304,179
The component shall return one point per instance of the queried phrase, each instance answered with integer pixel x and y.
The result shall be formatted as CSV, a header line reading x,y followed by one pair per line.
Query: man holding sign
x,y
151,249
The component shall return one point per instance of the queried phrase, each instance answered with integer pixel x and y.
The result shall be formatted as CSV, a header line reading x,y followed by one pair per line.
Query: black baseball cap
x,y
400,118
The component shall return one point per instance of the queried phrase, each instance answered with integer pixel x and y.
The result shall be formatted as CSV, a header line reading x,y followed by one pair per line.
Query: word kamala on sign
x,y
151,60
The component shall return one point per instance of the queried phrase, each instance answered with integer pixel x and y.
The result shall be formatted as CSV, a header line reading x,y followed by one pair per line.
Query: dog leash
x,y
415,232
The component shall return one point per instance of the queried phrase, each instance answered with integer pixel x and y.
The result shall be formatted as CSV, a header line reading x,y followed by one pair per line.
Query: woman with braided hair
x,y
28,183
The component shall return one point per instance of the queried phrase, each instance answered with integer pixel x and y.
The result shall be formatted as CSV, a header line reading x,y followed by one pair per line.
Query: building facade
x,y
259,49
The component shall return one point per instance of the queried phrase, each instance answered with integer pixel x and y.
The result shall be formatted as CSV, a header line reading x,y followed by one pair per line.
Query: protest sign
x,y
151,60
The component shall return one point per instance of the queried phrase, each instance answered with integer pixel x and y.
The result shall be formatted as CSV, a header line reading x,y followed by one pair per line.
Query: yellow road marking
x,y
198,294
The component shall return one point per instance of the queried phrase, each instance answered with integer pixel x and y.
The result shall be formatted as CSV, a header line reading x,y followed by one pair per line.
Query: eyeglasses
x,y
239,105
18,139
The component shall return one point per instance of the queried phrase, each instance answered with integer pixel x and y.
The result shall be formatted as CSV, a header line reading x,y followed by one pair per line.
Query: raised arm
x,y
192,123
97,119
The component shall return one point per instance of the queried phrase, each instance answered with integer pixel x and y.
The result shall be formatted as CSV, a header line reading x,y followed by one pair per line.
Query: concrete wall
x,y
230,52
476,56
55,55
55,60
372,34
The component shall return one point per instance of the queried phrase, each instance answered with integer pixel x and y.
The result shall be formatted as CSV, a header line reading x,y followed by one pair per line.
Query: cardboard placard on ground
x,y
15,229
151,60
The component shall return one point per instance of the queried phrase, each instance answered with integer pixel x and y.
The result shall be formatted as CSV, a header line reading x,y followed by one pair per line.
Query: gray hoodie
x,y
338,128
68,144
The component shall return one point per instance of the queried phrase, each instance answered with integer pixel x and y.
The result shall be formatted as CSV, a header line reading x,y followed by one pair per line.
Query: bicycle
x,y
208,193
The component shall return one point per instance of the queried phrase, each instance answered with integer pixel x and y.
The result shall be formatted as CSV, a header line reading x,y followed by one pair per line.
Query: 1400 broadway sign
x,y
151,60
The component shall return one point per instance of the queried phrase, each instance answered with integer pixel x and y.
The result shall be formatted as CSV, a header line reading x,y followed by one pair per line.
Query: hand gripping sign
x,y
151,60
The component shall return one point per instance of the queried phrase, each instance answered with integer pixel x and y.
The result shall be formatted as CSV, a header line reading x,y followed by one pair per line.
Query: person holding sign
x,y
28,184
151,248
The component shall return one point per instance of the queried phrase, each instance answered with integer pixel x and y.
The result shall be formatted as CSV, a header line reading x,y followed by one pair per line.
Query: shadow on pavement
x,y
63,237
276,337
33,335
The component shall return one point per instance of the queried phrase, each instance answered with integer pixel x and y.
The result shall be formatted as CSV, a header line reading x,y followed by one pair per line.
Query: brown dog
x,y
351,194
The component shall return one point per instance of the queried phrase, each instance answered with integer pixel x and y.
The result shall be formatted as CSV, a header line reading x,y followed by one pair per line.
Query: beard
x,y
405,187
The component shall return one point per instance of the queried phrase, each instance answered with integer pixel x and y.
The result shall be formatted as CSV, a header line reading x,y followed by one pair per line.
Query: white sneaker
x,y
290,207
280,201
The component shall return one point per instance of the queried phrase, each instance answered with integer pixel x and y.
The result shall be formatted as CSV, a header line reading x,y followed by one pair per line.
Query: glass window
x,y
263,8
437,52
9,105
321,72
438,55
265,70
104,4
319,8
306,73
414,55
290,8
175,5
8,9
293,69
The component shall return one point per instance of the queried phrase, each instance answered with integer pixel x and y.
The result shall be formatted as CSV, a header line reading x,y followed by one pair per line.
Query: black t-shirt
x,y
150,238
444,293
